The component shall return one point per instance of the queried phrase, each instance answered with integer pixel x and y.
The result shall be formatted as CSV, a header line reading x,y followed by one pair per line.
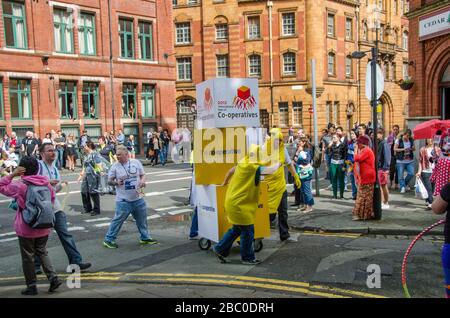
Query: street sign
x,y
380,82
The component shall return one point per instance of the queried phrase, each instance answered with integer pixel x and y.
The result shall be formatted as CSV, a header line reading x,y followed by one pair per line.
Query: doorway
x,y
445,94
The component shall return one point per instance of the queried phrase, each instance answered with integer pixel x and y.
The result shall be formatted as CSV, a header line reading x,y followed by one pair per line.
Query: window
x,y
330,25
184,67
283,113
145,41
348,66
1,100
183,33
331,63
129,101
289,63
336,113
68,100
405,70
297,108
90,100
174,2
382,32
328,111
222,66
405,40
20,99
148,101
86,34
192,1
386,71
63,29
254,31
349,29
15,24
394,68
221,32
126,39
288,23
406,7
365,32
254,65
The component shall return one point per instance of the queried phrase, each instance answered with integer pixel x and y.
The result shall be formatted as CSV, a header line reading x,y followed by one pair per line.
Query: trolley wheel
x,y
258,245
204,244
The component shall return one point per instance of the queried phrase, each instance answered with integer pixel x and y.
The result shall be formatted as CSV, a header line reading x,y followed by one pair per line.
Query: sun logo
x,y
208,101
244,99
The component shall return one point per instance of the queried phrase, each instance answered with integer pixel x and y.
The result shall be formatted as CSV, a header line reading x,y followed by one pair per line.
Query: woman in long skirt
x,y
365,172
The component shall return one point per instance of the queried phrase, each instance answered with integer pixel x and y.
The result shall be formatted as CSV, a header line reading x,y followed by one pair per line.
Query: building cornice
x,y
353,3
427,9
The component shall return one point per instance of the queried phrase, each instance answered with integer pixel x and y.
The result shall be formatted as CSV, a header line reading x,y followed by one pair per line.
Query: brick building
x,y
55,66
430,60
275,41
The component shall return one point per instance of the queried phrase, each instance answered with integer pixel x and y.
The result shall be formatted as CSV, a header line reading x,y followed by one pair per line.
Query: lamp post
x,y
374,104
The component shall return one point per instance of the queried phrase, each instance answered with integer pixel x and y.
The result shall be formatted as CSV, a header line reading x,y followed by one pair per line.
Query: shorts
x,y
383,177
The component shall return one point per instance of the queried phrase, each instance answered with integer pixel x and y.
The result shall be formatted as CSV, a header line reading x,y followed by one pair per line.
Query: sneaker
x,y
408,188
193,238
148,242
385,206
403,190
84,266
429,206
54,284
110,244
355,218
95,213
307,210
38,271
252,262
330,187
302,208
221,258
29,291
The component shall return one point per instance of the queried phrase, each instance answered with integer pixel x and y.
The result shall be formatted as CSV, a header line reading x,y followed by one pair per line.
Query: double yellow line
x,y
222,280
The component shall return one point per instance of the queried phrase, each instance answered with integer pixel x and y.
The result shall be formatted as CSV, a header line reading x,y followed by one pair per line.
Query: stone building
x,y
55,66
275,42
430,60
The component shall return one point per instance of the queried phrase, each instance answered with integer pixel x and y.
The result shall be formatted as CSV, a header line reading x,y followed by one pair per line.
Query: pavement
x,y
406,216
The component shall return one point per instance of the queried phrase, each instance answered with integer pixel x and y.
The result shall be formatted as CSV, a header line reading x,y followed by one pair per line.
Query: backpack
x,y
317,157
38,212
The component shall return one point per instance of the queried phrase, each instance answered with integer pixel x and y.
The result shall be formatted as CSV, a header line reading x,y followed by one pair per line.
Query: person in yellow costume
x,y
241,203
274,150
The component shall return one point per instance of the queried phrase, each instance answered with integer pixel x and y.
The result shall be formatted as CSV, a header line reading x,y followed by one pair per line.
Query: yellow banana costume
x,y
276,182
241,199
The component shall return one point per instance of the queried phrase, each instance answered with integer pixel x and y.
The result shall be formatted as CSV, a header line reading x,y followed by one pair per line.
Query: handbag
x,y
421,191
151,152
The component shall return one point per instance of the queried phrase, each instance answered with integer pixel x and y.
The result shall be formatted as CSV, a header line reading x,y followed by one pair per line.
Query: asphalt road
x,y
315,265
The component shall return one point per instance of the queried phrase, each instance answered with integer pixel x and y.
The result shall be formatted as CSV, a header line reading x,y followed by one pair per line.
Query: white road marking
x,y
97,220
168,180
7,234
168,208
180,211
154,216
102,224
76,228
152,194
9,239
176,190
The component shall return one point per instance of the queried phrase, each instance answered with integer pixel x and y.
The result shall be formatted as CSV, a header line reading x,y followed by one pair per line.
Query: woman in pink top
x,y
31,241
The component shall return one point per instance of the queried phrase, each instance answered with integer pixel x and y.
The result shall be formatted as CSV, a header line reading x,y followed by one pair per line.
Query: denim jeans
x,y
166,151
306,191
425,176
401,167
59,158
351,177
247,234
123,209
194,224
162,157
67,241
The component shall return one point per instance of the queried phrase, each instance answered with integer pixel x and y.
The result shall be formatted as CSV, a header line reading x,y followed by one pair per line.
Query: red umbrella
x,y
428,129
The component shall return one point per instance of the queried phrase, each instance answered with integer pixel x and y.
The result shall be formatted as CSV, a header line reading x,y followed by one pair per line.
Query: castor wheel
x,y
258,245
204,244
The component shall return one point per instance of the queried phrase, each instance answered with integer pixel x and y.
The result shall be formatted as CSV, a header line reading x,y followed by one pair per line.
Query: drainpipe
x,y
269,6
358,81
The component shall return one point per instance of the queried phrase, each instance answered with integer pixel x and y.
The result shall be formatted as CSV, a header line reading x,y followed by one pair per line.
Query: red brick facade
x,y
44,69
429,59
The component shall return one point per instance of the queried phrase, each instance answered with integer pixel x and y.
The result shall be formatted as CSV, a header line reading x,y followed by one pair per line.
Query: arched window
x,y
348,66
365,32
254,65
331,63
